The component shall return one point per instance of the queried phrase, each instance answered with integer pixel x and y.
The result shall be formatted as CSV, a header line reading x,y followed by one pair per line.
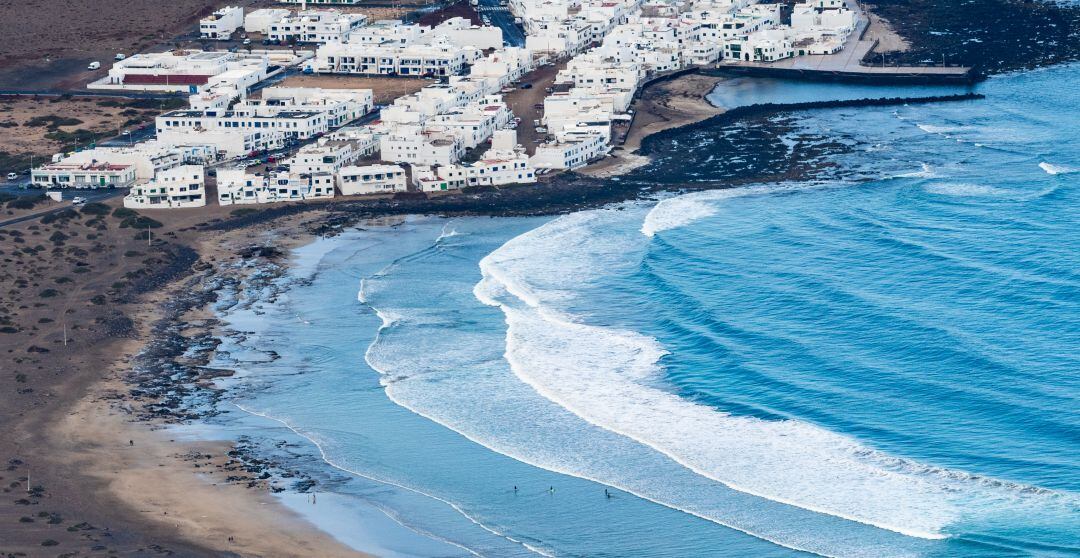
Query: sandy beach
x,y
101,477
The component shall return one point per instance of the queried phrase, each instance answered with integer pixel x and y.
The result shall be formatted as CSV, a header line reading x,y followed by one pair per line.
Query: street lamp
x,y
128,134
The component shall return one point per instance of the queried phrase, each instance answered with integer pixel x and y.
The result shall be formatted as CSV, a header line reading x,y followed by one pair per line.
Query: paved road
x,y
499,16
85,93
137,135
89,195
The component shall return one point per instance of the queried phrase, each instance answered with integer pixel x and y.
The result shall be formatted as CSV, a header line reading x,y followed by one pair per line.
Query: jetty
x,y
848,65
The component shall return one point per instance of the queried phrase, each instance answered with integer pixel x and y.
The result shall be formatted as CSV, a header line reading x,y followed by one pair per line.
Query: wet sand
x,y
102,477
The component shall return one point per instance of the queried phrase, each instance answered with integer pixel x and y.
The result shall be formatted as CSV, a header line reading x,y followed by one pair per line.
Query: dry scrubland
x,y
41,126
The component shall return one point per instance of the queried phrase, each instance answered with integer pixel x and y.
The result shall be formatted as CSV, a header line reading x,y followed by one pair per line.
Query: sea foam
x,y
607,376
1051,168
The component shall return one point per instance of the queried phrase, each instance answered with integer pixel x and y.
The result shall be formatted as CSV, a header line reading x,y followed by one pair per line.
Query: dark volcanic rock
x,y
992,36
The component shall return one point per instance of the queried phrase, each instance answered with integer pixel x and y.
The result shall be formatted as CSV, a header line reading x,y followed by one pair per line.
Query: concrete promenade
x,y
847,64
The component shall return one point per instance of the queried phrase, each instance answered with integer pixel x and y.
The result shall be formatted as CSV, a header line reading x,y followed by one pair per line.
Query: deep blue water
x,y
882,365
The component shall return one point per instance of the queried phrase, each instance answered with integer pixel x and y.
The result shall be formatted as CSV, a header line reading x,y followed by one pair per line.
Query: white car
x,y
78,200
12,176
120,56
93,65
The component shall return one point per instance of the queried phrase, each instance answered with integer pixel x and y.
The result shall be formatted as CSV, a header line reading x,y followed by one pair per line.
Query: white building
x,y
221,24
416,146
505,163
146,158
235,186
391,47
371,179
283,114
461,32
327,156
315,26
226,143
259,21
475,122
183,71
571,151
437,59
84,175
178,187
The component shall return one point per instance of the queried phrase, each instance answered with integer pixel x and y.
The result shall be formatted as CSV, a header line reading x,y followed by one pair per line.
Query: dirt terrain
x,y
56,39
385,89
34,128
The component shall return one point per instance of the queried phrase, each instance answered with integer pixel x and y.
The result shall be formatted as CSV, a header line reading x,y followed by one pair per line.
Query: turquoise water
x,y
881,364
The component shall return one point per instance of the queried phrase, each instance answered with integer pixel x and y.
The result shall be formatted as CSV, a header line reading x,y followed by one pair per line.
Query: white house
x,y
259,21
178,187
415,146
221,24
326,156
235,186
315,26
371,179
85,175
148,158
573,150
182,71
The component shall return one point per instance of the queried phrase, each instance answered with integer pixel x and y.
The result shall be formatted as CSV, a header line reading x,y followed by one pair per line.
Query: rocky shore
x,y
992,36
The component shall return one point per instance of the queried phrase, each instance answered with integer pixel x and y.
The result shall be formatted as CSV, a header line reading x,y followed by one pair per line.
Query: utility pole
x,y
148,234
65,333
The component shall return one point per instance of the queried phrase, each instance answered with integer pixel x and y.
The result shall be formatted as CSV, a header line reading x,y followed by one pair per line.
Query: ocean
x,y
879,360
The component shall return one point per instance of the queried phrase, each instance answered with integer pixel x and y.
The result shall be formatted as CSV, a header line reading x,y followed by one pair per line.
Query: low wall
x,y
912,77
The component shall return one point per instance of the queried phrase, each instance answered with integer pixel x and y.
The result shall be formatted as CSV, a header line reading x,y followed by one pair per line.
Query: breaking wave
x,y
607,377
1051,168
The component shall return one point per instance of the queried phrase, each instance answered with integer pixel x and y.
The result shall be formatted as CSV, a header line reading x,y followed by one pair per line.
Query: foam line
x,y
596,373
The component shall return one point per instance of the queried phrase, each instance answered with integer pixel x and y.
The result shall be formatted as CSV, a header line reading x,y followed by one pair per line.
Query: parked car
x,y
12,176
526,86
247,42
78,200
93,65
119,56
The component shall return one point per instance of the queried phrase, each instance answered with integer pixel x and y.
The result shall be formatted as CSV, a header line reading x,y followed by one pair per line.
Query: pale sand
x,y
881,31
155,478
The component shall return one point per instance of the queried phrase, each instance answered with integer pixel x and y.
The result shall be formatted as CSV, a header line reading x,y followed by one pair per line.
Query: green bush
x,y
53,121
49,293
25,202
140,222
123,213
95,208
64,215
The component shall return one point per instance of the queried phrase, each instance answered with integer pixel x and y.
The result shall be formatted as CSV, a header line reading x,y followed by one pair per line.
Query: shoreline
x,y
207,490
193,510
